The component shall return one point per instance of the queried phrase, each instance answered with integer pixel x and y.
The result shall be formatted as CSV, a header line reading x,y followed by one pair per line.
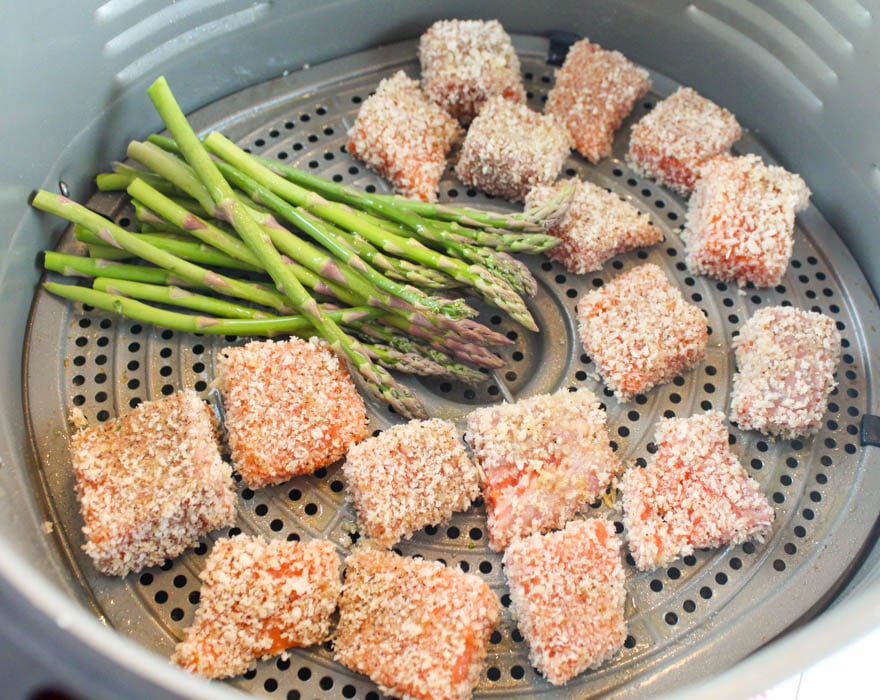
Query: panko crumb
x,y
403,136
150,483
595,90
509,149
640,331
596,226
409,476
786,359
77,418
567,595
465,62
694,494
260,597
291,407
673,141
416,628
740,220
544,458
48,527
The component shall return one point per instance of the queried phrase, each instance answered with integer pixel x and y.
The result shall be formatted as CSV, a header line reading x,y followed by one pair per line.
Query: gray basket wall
x,y
802,76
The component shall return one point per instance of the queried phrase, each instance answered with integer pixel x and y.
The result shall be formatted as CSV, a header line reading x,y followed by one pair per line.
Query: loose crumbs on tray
x,y
595,91
151,482
291,407
786,358
694,494
417,628
258,598
567,596
740,220
673,141
510,148
596,226
465,62
409,476
404,137
640,331
544,458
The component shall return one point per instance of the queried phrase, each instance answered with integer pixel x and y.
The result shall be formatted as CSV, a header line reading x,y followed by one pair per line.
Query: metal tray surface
x,y
686,621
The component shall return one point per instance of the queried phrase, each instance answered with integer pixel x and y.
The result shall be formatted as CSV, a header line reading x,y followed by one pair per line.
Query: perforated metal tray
x,y
687,620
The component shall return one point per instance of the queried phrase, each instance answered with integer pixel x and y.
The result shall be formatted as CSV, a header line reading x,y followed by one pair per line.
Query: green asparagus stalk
x,y
122,176
117,236
337,245
530,220
177,296
188,250
190,323
377,379
171,211
494,290
450,367
78,266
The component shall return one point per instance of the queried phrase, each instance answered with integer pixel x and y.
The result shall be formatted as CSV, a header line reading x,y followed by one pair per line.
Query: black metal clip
x,y
560,43
870,432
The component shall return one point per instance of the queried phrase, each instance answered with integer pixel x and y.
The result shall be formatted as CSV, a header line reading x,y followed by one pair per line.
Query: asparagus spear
x,y
530,220
377,379
189,323
78,266
117,236
177,296
188,250
494,290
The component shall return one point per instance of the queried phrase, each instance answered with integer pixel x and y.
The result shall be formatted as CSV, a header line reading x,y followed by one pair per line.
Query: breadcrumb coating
x,y
291,407
740,220
640,332
673,141
409,476
694,494
509,149
567,595
465,62
258,598
417,628
786,359
150,483
595,90
597,225
404,137
544,458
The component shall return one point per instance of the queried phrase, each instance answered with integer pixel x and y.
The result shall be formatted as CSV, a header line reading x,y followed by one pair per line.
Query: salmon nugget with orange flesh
x,y
151,482
409,476
417,628
695,494
259,598
402,135
291,408
543,458
740,220
567,595
465,62
509,149
673,141
595,90
596,226
786,359
640,331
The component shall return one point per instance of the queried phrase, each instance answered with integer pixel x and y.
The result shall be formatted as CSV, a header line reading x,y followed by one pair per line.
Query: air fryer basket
x,y
687,621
